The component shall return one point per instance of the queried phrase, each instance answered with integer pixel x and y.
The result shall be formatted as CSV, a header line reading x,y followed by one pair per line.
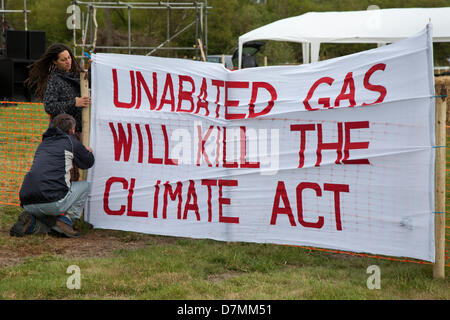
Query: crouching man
x,y
49,199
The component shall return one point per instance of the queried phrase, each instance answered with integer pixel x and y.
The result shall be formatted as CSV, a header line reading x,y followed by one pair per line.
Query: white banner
x,y
337,154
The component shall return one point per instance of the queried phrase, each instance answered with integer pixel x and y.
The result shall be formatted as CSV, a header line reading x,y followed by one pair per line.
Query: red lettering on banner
x,y
243,140
130,211
202,102
209,183
151,159
123,208
354,145
273,97
140,82
299,190
201,145
227,164
168,89
184,101
377,88
219,84
108,185
222,201
337,189
341,146
121,141
282,194
348,90
302,128
141,143
123,144
217,146
117,103
233,103
167,160
155,199
185,95
325,102
350,96
191,206
276,209
329,146
173,195
191,203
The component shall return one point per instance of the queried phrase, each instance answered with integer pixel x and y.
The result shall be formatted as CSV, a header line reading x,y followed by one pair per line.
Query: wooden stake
x,y
85,115
440,162
200,44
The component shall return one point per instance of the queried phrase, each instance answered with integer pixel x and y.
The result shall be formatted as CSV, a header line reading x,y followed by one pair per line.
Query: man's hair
x,y
64,121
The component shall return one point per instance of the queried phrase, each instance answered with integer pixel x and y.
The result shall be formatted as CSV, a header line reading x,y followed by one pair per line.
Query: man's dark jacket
x,y
49,177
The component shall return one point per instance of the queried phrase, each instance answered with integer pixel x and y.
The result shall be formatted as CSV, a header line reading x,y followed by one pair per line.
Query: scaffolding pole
x,y
25,12
200,21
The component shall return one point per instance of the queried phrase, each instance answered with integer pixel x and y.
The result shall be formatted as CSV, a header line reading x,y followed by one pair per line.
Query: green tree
x,y
223,40
227,20
49,16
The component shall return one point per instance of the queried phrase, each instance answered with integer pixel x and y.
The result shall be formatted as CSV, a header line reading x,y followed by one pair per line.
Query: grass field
x,y
124,265
127,265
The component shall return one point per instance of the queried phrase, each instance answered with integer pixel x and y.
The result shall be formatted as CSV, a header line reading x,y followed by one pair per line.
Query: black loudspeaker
x,y
20,71
20,74
16,44
36,44
6,78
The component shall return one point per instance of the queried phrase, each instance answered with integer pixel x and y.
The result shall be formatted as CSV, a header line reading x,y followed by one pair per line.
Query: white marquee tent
x,y
368,26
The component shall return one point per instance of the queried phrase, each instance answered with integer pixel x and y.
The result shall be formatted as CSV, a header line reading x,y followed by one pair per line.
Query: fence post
x,y
85,115
440,172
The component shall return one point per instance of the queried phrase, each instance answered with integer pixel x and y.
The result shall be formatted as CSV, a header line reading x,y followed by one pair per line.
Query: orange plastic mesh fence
x,y
21,128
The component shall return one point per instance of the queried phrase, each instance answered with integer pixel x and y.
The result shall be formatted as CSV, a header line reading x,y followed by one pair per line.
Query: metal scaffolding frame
x,y
89,22
25,12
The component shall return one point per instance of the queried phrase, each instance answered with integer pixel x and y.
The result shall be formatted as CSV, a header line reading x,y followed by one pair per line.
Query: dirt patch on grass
x,y
94,243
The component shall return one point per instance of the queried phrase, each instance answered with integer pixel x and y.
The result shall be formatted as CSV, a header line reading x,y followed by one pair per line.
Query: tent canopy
x,y
368,26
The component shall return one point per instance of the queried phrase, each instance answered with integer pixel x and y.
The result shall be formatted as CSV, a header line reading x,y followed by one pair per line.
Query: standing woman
x,y
56,79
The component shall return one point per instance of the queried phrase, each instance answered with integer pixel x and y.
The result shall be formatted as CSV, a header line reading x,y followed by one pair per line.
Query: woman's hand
x,y
82,102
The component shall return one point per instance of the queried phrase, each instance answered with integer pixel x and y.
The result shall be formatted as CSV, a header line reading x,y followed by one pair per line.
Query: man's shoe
x,y
25,225
65,219
65,229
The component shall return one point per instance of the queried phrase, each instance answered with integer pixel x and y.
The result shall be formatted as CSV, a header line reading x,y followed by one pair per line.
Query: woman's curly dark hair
x,y
41,69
